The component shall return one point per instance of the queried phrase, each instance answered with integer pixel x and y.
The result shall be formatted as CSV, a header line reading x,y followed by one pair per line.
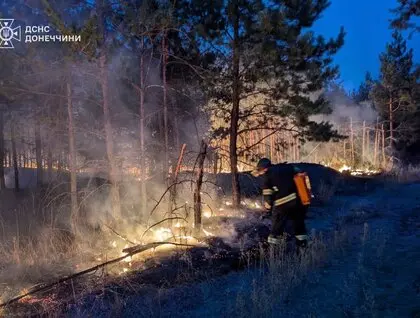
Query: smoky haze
x,y
345,109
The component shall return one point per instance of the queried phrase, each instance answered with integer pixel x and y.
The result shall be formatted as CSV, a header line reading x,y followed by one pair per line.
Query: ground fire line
x,y
129,252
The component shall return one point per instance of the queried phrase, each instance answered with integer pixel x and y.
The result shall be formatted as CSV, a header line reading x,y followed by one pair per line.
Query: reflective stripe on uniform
x,y
285,199
267,192
273,240
302,237
308,183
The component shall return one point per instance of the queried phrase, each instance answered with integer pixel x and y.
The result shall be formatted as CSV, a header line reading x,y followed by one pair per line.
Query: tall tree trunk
x,y
165,106
176,128
383,146
72,158
272,147
391,125
2,151
15,157
38,154
113,173
9,159
113,176
375,152
197,189
173,191
352,143
368,142
215,161
363,142
50,163
143,195
234,120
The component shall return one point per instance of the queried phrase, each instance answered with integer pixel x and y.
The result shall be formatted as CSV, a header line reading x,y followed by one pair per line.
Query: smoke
x,y
345,109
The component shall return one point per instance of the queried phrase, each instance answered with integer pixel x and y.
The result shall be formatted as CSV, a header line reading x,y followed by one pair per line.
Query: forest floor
x,y
364,262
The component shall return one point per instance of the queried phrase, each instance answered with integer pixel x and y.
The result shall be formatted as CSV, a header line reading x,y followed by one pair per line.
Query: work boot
x,y
301,244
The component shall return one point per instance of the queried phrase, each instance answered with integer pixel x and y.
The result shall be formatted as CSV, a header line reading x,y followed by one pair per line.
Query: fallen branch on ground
x,y
133,250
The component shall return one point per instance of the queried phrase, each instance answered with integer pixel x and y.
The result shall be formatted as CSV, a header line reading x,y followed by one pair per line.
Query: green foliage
x,y
281,62
362,94
398,85
406,14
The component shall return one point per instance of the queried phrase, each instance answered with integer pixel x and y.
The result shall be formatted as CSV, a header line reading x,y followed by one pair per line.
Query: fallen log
x,y
133,250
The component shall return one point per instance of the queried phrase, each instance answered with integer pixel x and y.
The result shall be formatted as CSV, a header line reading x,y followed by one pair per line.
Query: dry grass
x,y
280,272
279,277
405,174
279,285
326,191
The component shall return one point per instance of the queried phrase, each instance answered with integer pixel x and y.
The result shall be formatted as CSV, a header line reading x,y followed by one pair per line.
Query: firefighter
x,y
281,200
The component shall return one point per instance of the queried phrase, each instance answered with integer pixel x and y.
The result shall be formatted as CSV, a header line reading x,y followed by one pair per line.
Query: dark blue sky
x,y
366,23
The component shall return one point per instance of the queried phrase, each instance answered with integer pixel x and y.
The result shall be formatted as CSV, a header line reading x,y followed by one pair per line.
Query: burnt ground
x,y
207,281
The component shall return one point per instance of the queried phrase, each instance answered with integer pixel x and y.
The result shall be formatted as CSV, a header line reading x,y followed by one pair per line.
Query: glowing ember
x,y
178,225
113,244
344,168
207,214
228,203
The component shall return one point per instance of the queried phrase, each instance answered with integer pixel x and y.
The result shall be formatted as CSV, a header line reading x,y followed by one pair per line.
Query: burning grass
x,y
44,258
364,171
49,253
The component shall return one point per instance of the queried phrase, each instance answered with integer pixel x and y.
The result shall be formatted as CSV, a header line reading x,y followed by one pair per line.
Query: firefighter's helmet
x,y
262,164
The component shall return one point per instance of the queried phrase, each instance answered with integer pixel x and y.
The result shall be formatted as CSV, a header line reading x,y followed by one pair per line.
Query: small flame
x,y
344,168
207,214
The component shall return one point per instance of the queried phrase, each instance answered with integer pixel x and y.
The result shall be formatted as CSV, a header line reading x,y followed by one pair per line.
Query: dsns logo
x,y
8,34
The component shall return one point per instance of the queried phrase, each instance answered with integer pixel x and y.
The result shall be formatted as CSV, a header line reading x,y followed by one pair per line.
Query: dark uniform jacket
x,y
279,186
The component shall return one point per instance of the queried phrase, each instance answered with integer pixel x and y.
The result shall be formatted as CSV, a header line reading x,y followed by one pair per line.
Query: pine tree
x,y
394,93
265,50
364,89
406,15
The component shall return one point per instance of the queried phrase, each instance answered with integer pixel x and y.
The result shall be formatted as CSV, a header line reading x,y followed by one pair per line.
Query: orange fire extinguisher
x,y
303,186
